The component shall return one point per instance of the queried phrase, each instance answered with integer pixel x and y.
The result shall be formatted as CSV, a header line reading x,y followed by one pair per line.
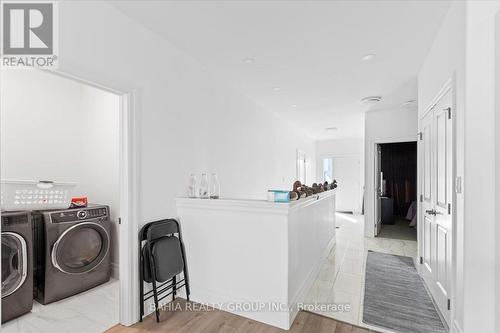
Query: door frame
x,y
371,222
449,85
129,175
301,156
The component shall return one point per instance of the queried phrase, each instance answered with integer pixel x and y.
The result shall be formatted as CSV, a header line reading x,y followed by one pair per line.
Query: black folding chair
x,y
162,258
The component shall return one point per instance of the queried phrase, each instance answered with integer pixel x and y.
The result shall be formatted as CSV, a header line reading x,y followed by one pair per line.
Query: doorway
x,y
396,177
346,170
67,116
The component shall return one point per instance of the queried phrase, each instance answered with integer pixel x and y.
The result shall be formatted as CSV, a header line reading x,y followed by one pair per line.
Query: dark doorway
x,y
399,189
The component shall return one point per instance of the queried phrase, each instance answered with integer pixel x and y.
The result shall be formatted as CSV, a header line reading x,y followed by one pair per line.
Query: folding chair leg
x,y
141,285
186,282
174,287
155,292
186,277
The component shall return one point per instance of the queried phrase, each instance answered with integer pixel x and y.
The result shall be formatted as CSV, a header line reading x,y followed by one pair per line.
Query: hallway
x,y
341,279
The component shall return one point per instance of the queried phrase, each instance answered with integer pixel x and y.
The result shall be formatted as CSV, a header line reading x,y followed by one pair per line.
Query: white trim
x,y
129,209
300,154
254,206
129,174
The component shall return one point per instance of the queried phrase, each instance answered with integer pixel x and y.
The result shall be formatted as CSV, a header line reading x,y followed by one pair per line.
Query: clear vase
x,y
204,191
192,187
214,187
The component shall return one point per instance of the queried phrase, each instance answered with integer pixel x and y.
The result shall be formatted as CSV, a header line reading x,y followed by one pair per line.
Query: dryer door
x,y
14,262
80,248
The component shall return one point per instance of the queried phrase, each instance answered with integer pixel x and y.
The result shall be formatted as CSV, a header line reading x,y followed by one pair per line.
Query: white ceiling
x,y
311,50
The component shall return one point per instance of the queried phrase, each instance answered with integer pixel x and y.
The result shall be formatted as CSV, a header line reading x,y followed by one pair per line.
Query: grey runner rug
x,y
396,298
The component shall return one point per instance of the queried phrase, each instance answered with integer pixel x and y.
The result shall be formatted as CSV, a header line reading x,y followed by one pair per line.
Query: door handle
x,y
431,212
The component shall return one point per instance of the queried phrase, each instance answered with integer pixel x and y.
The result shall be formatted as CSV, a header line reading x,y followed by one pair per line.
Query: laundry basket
x,y
34,195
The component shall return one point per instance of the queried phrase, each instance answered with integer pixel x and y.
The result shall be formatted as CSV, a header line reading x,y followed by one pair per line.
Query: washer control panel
x,y
72,215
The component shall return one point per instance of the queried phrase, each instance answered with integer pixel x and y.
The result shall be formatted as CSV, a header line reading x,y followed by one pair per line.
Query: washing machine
x,y
71,249
17,273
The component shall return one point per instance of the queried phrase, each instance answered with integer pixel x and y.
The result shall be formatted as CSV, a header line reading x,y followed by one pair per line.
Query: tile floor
x,y
95,310
341,279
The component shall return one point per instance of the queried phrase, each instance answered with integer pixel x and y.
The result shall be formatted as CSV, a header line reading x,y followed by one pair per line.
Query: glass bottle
x,y
214,187
192,187
204,194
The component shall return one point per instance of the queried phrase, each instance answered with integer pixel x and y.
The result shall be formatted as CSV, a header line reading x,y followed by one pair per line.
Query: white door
x,y
346,170
301,166
378,189
436,191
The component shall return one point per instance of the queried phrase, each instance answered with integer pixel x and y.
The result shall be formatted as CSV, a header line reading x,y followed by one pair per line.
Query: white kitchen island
x,y
255,258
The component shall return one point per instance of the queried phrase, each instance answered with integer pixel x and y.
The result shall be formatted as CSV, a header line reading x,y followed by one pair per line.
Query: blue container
x,y
278,196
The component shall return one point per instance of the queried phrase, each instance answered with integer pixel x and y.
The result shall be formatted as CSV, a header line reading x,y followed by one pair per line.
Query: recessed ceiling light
x,y
293,105
331,128
248,60
276,88
368,56
370,100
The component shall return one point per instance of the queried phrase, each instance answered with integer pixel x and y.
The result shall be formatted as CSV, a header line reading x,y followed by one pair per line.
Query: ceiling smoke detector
x,y
331,129
370,100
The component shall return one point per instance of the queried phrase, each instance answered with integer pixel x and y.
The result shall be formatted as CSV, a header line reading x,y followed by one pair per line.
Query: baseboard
x,y
228,304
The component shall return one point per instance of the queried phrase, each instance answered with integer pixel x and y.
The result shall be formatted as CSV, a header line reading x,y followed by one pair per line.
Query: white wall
x,y
465,49
393,125
348,147
58,129
446,60
31,150
340,147
481,216
188,121
99,173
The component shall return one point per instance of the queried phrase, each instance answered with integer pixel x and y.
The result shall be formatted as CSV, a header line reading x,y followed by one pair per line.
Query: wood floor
x,y
216,321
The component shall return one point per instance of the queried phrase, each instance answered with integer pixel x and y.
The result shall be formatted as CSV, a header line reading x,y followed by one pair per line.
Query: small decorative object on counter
x,y
192,187
79,202
304,191
204,194
297,185
278,196
214,187
309,191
